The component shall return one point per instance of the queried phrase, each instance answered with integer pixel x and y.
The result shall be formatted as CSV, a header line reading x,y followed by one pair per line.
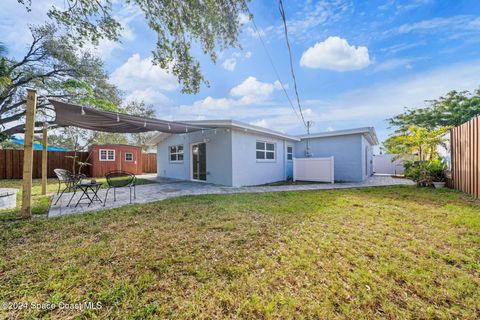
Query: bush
x,y
436,169
425,172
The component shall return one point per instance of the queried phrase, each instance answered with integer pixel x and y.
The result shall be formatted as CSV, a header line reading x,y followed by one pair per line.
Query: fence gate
x,y
383,164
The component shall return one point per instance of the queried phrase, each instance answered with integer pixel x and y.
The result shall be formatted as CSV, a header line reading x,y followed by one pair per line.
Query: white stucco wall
x,y
219,156
247,170
348,151
231,158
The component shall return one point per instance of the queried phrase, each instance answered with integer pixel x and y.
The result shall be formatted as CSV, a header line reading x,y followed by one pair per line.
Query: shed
x,y
105,158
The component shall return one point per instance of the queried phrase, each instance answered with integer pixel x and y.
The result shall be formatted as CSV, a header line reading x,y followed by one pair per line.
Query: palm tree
x,y
419,142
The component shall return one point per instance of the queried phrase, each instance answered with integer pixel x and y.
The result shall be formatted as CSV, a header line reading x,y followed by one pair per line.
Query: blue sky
x,y
357,62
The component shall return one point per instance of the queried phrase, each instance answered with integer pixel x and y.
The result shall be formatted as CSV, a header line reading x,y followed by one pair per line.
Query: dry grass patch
x,y
396,252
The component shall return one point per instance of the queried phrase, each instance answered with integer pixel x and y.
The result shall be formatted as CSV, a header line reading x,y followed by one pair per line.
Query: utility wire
x,y
284,19
273,65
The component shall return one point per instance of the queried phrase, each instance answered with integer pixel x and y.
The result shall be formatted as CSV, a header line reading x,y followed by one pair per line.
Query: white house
x,y
234,153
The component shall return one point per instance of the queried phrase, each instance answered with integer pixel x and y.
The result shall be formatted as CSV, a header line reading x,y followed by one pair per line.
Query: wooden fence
x,y
11,163
149,162
465,146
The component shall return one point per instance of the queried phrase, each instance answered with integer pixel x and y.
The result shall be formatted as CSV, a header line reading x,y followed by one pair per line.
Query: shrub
x,y
426,171
436,169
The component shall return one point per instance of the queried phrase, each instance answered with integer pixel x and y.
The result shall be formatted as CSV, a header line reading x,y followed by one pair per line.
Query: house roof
x,y
113,145
230,124
368,132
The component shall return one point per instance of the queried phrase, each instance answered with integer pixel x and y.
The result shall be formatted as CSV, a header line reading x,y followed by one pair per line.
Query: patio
x,y
167,188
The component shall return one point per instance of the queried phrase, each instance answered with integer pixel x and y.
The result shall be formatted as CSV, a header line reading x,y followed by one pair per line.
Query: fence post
x,y
44,159
26,211
332,169
294,167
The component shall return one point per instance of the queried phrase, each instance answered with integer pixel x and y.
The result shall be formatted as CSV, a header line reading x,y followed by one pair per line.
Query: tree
x,y
4,79
55,67
139,108
417,142
452,110
179,25
110,138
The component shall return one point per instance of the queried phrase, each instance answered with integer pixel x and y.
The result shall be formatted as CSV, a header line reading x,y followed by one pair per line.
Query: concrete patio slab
x,y
168,188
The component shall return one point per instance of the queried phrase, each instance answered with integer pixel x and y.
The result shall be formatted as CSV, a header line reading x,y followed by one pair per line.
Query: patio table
x,y
86,188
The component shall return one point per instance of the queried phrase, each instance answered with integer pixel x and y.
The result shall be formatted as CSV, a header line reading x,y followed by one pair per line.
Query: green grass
x,y
41,203
395,252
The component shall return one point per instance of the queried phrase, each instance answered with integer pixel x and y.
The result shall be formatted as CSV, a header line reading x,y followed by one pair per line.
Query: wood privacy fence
x,y
149,162
465,146
11,163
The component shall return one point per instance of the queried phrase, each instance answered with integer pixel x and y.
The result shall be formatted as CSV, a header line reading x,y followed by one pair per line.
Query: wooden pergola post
x,y
44,159
26,211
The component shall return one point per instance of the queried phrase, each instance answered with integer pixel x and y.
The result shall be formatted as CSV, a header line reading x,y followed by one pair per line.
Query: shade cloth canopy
x,y
68,114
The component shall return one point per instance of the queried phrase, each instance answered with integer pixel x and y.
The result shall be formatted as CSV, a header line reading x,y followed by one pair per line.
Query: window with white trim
x,y
128,156
265,151
176,153
289,153
107,155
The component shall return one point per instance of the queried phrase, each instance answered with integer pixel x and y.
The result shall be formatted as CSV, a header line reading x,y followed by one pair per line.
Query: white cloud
x,y
413,4
303,24
335,54
229,64
260,123
149,96
392,64
450,24
248,55
244,102
251,90
138,73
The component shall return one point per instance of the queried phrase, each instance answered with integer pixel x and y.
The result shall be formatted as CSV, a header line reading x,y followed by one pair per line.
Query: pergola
x,y
67,114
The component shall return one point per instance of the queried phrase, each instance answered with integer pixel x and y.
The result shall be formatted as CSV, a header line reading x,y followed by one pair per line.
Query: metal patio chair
x,y
70,181
120,179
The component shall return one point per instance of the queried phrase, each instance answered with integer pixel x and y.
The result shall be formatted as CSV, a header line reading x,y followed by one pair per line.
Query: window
x,y
128,156
265,150
107,155
176,153
289,153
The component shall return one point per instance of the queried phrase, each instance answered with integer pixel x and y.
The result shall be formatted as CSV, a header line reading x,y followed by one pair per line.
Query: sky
x,y
357,63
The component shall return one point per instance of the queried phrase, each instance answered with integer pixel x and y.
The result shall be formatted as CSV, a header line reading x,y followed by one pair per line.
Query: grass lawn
x,y
395,252
41,204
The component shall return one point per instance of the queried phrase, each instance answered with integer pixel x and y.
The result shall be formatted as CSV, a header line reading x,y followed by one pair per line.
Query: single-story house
x,y
234,153
352,150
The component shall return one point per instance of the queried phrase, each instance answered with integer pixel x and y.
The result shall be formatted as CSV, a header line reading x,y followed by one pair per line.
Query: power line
x,y
282,14
273,66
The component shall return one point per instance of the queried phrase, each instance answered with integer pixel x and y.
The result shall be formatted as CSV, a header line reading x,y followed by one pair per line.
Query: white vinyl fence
x,y
384,164
313,169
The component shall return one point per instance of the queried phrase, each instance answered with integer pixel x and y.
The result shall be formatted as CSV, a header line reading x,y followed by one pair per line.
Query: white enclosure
x,y
384,164
313,169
